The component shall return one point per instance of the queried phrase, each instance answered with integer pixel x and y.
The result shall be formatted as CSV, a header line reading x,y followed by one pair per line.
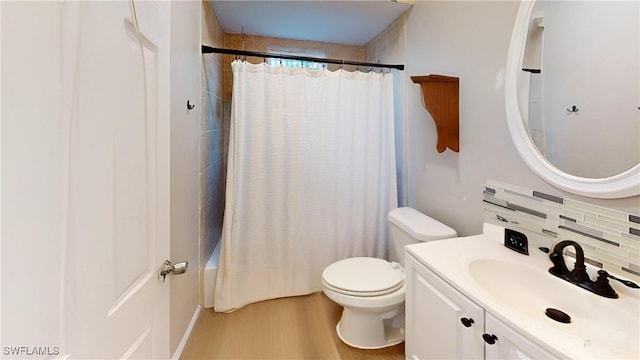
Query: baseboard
x,y
185,337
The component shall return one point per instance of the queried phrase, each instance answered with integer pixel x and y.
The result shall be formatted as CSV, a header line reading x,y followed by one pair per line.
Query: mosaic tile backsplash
x,y
610,238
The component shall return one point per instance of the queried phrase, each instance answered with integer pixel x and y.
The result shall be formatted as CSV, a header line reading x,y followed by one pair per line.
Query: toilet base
x,y
359,329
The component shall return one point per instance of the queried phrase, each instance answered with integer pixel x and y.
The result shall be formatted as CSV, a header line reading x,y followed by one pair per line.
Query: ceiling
x,y
354,22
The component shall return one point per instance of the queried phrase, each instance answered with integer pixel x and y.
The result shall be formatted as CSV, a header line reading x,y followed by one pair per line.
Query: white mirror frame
x,y
625,184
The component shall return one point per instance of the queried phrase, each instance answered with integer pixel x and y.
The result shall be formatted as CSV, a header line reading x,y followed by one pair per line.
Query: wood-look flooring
x,y
301,327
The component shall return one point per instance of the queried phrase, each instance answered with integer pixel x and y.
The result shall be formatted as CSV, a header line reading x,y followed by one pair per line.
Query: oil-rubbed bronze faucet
x,y
579,275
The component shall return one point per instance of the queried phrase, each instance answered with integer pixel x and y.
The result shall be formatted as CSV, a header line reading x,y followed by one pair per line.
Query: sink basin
x,y
606,324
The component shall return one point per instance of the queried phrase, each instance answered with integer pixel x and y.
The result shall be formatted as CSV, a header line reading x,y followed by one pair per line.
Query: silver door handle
x,y
168,268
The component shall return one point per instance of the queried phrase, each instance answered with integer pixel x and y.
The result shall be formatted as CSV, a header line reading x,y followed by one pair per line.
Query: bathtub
x,y
210,273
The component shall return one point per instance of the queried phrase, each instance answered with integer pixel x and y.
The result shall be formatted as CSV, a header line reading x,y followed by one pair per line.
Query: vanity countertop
x,y
517,289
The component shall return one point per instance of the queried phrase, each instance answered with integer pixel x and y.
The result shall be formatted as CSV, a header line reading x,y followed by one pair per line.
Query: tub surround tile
x,y
211,136
610,238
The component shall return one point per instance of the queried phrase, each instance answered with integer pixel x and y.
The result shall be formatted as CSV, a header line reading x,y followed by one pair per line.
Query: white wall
x,y
185,162
469,40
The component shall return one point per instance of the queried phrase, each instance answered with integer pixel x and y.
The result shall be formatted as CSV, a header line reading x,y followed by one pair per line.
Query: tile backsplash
x,y
610,238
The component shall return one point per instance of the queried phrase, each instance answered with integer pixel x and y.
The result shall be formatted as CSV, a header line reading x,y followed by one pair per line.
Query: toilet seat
x,y
363,277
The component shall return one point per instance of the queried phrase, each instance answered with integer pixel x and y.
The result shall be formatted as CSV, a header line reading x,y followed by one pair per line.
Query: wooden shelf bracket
x,y
440,96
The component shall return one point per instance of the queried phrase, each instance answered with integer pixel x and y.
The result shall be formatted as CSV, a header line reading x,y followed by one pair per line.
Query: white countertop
x,y
600,328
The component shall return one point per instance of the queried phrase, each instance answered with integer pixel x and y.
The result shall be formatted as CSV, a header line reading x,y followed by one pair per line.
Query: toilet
x,y
372,290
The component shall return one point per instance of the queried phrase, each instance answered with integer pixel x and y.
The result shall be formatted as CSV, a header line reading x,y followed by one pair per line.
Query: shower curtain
x,y
311,178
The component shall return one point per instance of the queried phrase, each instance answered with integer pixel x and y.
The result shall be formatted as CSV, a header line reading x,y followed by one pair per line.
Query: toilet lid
x,y
363,276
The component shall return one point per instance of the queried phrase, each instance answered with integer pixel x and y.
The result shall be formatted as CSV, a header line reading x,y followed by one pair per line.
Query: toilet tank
x,y
409,226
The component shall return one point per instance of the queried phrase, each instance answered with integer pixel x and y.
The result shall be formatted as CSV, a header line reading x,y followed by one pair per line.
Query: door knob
x,y
168,268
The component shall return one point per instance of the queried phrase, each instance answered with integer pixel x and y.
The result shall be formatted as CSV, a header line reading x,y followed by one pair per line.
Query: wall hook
x,y
189,106
573,109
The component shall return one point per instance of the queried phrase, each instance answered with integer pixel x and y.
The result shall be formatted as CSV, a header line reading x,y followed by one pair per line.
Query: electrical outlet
x,y
516,241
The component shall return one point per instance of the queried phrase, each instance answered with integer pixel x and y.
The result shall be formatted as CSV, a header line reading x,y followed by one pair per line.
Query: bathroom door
x,y
115,74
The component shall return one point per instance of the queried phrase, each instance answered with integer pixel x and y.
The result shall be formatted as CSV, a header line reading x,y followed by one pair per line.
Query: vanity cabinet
x,y
510,344
442,323
435,313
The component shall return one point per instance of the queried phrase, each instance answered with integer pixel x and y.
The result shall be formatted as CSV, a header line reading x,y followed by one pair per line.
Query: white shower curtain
x,y
311,178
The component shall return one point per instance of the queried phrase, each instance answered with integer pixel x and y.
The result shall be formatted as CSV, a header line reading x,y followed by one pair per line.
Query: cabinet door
x,y
509,344
434,310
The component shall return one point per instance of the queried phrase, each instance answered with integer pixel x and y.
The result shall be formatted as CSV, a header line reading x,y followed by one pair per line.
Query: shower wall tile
x,y
213,183
605,234
380,46
227,83
210,227
205,111
226,113
213,73
211,147
218,112
211,30
211,136
226,128
212,107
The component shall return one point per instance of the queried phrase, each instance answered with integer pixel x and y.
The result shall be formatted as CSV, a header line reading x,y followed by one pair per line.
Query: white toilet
x,y
372,290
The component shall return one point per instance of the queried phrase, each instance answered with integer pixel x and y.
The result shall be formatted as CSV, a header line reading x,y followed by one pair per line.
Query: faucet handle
x,y
602,286
605,274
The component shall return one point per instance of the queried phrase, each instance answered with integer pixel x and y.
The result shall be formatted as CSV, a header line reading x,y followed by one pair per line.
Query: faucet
x,y
579,275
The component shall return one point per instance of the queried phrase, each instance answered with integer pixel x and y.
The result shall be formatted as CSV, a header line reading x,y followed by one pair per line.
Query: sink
x,y
610,325
517,289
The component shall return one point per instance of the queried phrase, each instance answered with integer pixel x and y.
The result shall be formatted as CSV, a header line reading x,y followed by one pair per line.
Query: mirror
x,y
583,82
569,167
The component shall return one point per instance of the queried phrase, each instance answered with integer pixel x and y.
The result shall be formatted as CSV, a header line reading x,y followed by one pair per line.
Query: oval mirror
x,y
568,171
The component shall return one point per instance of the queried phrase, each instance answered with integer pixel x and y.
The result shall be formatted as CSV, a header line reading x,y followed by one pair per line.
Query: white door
x,y
115,95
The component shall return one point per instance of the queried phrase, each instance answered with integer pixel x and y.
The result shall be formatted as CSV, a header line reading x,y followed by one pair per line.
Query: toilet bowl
x,y
371,290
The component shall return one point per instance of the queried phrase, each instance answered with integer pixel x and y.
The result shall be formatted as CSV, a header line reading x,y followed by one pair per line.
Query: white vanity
x,y
473,298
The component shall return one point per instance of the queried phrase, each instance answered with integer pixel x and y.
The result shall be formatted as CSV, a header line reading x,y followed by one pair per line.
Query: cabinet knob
x,y
489,338
467,322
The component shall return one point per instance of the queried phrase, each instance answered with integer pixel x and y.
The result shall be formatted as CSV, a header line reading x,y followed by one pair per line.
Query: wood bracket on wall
x,y
440,96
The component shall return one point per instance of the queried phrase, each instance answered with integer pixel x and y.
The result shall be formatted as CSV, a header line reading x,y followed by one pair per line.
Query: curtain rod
x,y
208,50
